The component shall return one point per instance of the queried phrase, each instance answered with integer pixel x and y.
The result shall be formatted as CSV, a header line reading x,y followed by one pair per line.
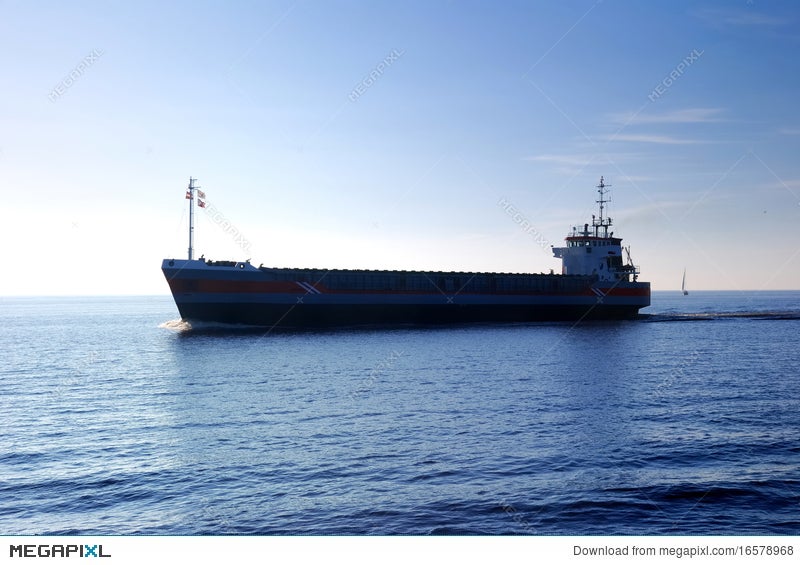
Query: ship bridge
x,y
594,250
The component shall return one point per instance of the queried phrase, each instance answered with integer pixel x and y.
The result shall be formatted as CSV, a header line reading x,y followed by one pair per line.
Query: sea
x,y
117,418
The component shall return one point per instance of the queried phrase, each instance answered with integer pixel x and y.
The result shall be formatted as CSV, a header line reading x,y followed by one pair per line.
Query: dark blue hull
x,y
239,293
327,316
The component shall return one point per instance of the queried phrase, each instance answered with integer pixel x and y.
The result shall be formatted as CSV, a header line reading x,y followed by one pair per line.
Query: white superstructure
x,y
594,250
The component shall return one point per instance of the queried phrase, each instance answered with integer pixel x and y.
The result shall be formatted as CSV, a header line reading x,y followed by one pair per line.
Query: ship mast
x,y
602,222
190,196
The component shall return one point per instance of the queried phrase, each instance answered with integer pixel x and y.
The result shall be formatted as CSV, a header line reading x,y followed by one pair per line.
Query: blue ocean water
x,y
685,421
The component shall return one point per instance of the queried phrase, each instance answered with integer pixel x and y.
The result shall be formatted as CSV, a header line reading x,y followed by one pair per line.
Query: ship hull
x,y
329,316
239,293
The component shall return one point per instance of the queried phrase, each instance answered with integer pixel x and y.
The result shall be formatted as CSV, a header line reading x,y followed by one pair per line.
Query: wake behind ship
x,y
595,284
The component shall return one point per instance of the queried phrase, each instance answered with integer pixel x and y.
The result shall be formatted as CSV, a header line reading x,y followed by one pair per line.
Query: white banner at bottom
x,y
368,550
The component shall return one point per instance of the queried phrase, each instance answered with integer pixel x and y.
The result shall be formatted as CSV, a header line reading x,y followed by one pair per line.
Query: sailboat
x,y
683,284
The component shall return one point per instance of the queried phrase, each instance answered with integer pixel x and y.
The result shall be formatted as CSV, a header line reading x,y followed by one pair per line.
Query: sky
x,y
442,135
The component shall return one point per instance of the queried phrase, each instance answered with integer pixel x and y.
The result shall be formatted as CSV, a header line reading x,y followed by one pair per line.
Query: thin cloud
x,y
791,185
685,116
580,159
740,18
635,178
651,207
754,19
647,138
662,209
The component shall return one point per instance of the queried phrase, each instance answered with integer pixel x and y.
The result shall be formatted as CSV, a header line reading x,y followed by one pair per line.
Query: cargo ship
x,y
596,283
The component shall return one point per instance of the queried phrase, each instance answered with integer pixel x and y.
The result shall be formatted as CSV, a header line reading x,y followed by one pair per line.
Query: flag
x,y
201,203
188,195
200,193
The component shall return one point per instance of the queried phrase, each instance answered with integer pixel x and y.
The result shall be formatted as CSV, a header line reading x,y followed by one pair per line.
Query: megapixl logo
x,y
82,550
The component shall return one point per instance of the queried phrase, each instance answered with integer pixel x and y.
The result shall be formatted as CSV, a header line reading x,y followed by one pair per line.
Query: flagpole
x,y
190,196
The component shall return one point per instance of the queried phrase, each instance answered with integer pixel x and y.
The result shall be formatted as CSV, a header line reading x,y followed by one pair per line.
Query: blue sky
x,y
689,109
